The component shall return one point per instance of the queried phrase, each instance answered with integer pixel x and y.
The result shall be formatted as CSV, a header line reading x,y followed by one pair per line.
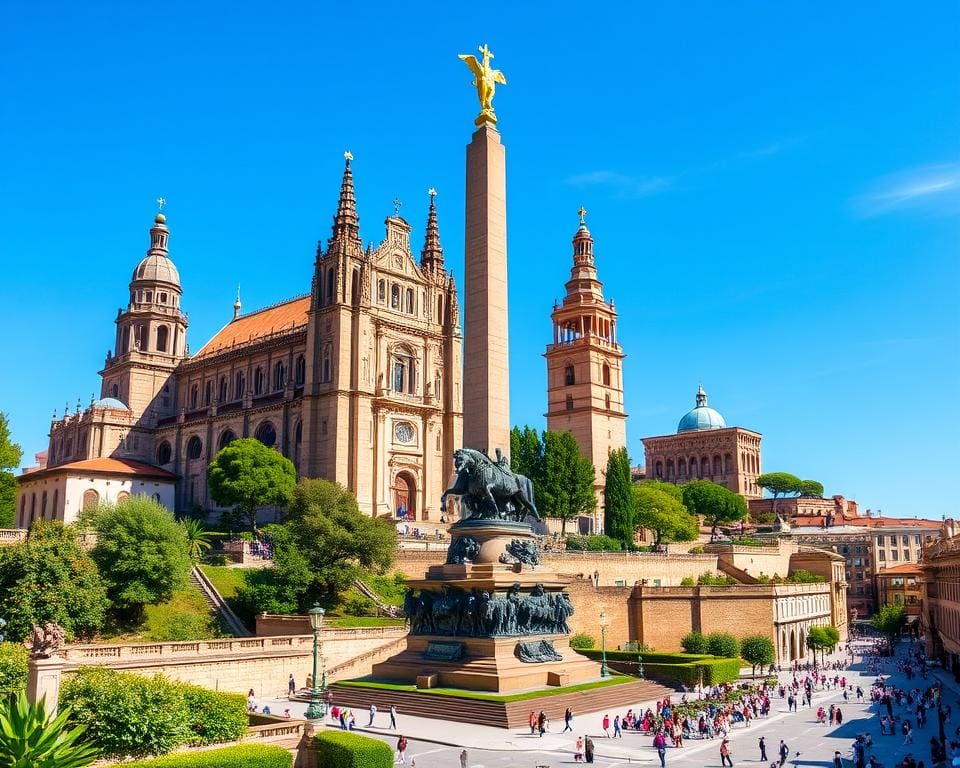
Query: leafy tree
x,y
833,636
710,579
13,669
779,484
141,551
50,577
281,588
803,576
526,453
889,620
714,503
565,487
618,510
758,651
671,489
246,475
31,739
198,538
10,455
694,642
810,488
723,644
818,640
663,514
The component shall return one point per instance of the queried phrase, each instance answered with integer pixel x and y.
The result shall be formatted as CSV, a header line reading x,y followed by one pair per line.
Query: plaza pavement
x,y
436,743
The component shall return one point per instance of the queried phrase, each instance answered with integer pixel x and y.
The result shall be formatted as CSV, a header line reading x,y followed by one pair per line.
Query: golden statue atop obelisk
x,y
485,81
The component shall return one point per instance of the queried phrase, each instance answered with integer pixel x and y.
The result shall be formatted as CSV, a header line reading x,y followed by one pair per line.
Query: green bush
x,y
723,644
13,668
359,605
582,640
652,657
707,671
695,551
593,543
341,749
242,756
709,579
214,716
694,642
687,581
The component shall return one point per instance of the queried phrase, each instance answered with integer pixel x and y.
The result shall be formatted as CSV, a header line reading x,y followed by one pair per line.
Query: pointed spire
x,y
236,304
346,224
431,257
701,396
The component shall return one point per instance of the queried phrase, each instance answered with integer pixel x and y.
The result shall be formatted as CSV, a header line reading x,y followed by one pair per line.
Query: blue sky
x,y
774,190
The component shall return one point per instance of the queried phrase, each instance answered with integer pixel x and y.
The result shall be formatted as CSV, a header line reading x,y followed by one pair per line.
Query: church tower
x,y
585,365
151,338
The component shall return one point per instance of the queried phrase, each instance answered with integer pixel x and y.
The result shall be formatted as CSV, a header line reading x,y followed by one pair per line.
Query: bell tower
x,y
585,363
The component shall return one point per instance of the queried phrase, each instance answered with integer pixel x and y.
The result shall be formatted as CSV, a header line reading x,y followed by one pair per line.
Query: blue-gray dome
x,y
702,417
110,402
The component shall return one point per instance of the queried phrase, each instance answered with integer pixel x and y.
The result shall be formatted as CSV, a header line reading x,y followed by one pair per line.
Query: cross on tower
x,y
582,212
161,202
348,155
432,192
396,206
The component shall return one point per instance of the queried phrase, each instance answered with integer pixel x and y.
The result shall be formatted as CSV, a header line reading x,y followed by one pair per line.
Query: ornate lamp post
x,y
318,707
604,672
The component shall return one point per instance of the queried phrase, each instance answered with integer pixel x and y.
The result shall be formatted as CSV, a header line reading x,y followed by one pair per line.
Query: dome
x,y
156,267
110,402
702,417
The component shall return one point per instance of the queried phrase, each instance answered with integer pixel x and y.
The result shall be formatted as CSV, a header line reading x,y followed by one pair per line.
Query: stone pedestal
x,y
492,622
43,682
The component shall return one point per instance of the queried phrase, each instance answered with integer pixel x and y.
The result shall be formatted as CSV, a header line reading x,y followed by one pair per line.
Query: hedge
x,y
653,657
242,756
13,668
342,749
683,668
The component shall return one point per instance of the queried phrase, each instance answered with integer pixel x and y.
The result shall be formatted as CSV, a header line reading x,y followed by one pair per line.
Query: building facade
x,y
941,599
585,365
902,585
705,448
357,381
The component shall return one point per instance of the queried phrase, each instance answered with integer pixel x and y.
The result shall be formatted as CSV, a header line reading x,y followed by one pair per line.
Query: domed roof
x,y
156,267
702,417
110,402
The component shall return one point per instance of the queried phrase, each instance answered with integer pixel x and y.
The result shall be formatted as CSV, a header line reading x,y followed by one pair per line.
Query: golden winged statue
x,y
485,81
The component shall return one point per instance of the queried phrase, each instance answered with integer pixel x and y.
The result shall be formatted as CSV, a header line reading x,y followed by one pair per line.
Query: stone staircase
x,y
217,604
499,714
385,609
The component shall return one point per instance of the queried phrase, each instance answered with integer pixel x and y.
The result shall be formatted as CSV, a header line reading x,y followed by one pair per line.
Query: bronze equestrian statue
x,y
488,489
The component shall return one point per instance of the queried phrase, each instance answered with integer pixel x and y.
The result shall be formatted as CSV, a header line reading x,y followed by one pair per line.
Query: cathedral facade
x,y
357,381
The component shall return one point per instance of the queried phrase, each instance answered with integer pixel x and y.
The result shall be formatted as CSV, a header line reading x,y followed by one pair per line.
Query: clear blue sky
x,y
774,189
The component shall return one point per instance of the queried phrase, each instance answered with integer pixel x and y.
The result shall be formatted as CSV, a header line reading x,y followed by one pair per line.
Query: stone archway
x,y
405,496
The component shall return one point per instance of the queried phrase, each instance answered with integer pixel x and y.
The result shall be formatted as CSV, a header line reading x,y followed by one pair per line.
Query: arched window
x,y
331,285
164,453
437,382
658,470
569,402
607,401
569,376
326,364
355,287
408,306
194,395
90,499
33,507
258,381
224,390
300,371
682,467
381,292
238,385
194,448
122,496
694,467
43,506
266,434
298,435
669,469
705,466
717,467
728,464
394,296
162,334
226,437
114,391
404,372
125,340
279,375
440,309
56,504
208,393
606,375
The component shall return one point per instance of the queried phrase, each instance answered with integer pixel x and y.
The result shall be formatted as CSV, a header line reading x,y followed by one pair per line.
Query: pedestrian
x,y
606,725
578,750
660,743
402,750
532,721
725,758
567,720
616,727
837,760
588,749
763,750
393,717
291,686
463,759
784,752
838,716
907,732
542,723
373,714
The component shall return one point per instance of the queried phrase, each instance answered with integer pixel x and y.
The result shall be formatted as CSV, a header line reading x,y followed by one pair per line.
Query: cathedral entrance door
x,y
404,497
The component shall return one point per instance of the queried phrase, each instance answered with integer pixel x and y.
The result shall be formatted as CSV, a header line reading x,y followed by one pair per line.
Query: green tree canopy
x,y
818,640
142,552
246,475
890,620
714,503
10,455
810,488
694,642
723,644
779,483
671,489
618,510
564,490
50,577
757,651
526,453
662,513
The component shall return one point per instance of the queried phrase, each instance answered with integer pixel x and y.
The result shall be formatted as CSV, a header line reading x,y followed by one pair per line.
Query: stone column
x,y
486,376
43,682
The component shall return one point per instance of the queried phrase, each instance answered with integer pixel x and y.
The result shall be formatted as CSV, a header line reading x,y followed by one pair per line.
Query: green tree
x,y
526,454
803,576
50,577
198,538
833,636
714,503
889,620
810,488
758,651
723,644
694,642
818,640
779,484
671,489
246,475
31,739
281,588
142,553
618,510
565,487
10,455
663,514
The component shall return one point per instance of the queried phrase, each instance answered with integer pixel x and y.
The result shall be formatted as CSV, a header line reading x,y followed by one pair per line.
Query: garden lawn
x,y
227,580
460,693
185,617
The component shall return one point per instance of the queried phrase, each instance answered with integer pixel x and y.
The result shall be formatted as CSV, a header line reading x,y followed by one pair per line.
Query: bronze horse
x,y
489,489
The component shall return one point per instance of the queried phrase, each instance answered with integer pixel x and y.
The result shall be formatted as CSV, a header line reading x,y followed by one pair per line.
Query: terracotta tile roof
x,y
108,466
281,317
906,568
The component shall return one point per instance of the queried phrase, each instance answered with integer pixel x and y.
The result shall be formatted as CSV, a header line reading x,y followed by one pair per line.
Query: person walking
x,y
373,714
532,720
463,759
606,725
578,750
567,720
541,723
763,750
907,733
660,743
838,716
393,717
291,686
725,758
588,749
784,752
402,750
616,727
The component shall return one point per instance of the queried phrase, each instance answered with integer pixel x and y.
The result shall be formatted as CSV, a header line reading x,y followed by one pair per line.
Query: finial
x,y
396,206
432,192
701,396
582,213
54,414
161,202
93,398
160,218
78,405
236,304
348,156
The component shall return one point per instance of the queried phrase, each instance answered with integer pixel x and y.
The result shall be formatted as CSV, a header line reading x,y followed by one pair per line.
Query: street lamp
x,y
318,707
604,672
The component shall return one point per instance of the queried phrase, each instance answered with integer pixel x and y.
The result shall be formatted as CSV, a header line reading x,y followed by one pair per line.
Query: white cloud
x,y
932,188
628,186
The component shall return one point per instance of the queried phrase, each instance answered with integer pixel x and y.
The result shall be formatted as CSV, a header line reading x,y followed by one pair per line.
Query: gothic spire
x,y
346,223
431,257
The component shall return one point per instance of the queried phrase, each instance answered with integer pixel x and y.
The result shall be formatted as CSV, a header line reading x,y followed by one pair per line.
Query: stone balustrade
x,y
12,536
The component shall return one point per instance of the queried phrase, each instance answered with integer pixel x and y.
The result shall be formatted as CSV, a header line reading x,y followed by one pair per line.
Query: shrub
x,y
694,642
723,644
582,640
802,576
687,581
695,550
214,716
242,756
341,749
359,605
593,543
709,579
13,668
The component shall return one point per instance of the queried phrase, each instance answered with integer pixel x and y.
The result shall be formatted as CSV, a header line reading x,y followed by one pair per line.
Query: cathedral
x,y
358,381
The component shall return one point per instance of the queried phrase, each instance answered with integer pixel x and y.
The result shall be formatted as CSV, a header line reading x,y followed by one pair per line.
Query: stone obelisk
x,y
486,368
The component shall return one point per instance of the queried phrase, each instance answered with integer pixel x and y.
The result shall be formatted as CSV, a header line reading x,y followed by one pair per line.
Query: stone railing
x,y
12,536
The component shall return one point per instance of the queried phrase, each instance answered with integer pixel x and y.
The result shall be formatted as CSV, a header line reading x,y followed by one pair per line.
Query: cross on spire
x,y
161,202
432,192
582,213
348,155
396,206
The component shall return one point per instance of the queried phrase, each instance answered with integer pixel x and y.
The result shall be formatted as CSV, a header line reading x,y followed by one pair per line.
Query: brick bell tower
x,y
585,364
